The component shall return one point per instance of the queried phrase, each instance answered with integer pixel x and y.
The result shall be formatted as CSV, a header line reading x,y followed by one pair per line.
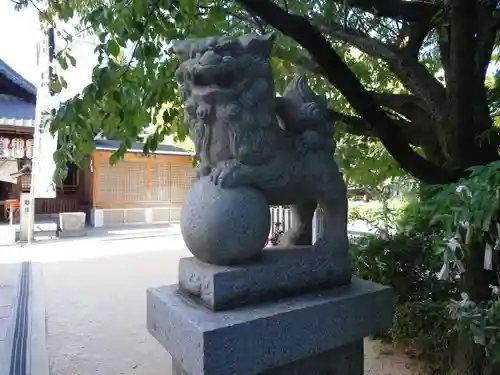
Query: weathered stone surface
x,y
224,226
247,136
278,272
73,234
252,340
346,360
72,221
7,235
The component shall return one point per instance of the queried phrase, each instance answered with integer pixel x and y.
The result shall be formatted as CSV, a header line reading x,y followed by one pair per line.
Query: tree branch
x,y
356,125
416,34
410,11
406,105
339,74
299,59
358,39
414,76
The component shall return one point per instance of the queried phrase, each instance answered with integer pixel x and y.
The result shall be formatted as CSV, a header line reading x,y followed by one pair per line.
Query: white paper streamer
x,y
497,244
487,222
488,257
444,273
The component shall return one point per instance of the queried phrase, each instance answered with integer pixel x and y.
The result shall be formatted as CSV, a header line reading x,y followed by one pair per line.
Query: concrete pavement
x,y
23,348
95,302
9,281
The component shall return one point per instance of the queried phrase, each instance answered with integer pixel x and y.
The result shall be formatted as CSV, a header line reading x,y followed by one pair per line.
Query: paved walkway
x,y
95,301
9,279
96,307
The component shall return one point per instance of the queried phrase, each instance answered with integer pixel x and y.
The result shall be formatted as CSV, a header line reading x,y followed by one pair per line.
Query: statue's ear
x,y
258,44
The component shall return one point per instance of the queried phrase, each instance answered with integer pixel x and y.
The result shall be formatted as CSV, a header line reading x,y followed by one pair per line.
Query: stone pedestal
x,y
314,333
72,224
279,272
7,235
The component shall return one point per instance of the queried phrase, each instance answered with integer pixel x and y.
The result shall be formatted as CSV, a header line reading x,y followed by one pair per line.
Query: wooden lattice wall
x,y
141,181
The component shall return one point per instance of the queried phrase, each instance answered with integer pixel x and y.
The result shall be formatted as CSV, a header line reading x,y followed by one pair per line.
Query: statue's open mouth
x,y
221,75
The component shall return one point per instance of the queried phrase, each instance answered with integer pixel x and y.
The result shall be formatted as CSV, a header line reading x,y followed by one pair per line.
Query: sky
x,y
19,34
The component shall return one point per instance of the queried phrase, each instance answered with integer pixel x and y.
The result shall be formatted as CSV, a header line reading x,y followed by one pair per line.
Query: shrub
x,y
425,330
408,262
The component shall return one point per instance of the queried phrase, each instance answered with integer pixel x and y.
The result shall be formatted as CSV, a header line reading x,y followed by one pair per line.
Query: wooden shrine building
x,y
139,189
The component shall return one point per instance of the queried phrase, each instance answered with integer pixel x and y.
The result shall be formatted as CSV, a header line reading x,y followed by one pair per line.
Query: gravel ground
x,y
96,313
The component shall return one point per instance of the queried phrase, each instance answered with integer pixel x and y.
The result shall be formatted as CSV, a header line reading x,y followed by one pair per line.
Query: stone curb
x,y
37,355
6,345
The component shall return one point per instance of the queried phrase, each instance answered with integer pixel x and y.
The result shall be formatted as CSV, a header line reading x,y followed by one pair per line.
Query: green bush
x,y
425,330
443,228
408,262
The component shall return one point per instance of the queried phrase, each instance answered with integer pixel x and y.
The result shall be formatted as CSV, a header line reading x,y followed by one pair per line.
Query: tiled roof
x,y
16,78
15,111
104,144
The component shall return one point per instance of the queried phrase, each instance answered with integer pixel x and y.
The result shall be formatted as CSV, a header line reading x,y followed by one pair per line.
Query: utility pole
x,y
44,100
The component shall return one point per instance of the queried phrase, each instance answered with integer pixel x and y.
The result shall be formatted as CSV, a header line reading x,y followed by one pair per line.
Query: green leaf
x,y
189,6
478,333
71,59
57,86
113,48
62,62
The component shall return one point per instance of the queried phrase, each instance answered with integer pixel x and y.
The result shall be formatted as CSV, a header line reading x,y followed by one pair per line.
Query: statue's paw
x,y
222,176
232,177
227,178
203,171
215,175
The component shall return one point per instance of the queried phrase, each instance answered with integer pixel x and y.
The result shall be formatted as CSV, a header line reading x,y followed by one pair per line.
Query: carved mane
x,y
229,95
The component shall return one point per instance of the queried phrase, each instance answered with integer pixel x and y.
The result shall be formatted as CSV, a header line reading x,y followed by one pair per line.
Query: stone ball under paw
x,y
224,226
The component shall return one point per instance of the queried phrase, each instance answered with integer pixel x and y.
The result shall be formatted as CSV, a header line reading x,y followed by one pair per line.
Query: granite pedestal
x,y
279,272
317,333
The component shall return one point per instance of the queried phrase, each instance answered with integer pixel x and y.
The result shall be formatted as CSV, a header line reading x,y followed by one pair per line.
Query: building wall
x,y
72,196
139,189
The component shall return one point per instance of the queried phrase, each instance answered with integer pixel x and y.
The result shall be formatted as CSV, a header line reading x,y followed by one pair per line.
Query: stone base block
x,y
73,234
287,335
7,235
279,272
346,360
72,221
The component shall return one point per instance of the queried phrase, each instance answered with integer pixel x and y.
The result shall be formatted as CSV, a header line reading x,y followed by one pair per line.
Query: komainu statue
x,y
247,136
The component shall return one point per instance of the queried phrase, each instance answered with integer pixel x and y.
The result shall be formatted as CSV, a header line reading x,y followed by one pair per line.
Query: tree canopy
x,y
377,60
418,77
